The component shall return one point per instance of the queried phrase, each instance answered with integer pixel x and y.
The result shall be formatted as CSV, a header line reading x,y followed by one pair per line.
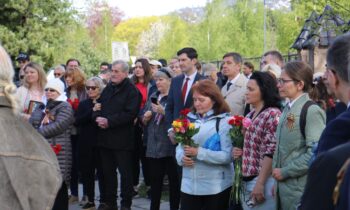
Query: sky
x,y
141,8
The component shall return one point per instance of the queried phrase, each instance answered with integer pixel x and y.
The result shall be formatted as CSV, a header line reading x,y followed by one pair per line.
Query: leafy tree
x,y
130,31
34,26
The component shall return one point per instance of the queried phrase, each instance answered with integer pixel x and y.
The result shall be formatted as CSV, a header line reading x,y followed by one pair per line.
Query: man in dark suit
x,y
336,79
322,178
180,95
323,171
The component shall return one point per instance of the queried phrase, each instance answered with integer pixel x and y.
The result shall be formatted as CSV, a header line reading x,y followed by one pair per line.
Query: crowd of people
x,y
71,129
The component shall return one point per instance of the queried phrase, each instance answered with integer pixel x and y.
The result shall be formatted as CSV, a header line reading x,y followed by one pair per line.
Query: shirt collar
x,y
290,104
235,79
192,76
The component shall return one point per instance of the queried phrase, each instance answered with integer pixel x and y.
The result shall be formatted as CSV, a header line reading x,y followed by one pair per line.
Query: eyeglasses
x,y
50,90
91,87
21,76
284,81
57,74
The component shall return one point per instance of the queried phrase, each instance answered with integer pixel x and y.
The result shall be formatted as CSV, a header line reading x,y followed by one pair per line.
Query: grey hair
x,y
60,67
125,65
7,87
338,57
208,68
162,74
98,82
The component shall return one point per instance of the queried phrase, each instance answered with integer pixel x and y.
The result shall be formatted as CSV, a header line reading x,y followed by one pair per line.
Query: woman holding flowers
x,y
259,142
207,166
294,149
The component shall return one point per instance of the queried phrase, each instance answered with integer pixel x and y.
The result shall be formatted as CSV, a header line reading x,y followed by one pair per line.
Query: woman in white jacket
x,y
207,169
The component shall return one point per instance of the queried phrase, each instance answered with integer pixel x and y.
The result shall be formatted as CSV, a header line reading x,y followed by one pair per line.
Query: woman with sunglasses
x,y
76,93
56,128
32,90
294,150
88,152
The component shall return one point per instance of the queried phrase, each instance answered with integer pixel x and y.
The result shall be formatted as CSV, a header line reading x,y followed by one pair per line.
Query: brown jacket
x,y
29,173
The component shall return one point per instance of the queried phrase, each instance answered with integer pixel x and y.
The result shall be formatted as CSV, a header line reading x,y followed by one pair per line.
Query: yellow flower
x,y
177,124
191,126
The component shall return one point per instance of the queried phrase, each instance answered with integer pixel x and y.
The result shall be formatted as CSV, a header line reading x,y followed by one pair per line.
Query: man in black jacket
x,y
120,102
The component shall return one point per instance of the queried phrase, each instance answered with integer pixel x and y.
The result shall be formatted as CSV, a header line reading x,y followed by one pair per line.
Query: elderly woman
x,y
32,90
56,127
88,152
76,93
295,141
259,142
160,151
207,172
29,171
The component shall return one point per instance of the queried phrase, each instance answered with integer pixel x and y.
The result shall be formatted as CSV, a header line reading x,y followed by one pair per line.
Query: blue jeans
x,y
247,189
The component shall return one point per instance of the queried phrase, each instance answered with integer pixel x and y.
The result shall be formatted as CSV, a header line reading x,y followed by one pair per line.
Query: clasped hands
x,y
102,122
189,153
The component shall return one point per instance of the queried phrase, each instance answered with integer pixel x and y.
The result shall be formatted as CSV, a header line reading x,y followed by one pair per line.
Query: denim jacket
x,y
213,170
29,173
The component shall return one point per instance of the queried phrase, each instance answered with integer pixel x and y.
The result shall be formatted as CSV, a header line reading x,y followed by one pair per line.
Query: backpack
x,y
303,113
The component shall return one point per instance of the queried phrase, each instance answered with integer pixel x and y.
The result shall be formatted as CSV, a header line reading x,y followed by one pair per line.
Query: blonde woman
x,y
32,88
29,171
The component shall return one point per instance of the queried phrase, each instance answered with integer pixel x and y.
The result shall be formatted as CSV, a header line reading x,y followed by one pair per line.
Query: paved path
x,y
138,203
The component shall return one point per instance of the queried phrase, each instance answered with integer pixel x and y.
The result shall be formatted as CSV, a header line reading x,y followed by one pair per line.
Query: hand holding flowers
x,y
184,130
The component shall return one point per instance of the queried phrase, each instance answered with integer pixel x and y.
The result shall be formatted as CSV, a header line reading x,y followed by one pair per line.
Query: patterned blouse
x,y
259,140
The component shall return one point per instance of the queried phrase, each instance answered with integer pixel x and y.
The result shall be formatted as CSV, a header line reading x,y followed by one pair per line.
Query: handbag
x,y
213,142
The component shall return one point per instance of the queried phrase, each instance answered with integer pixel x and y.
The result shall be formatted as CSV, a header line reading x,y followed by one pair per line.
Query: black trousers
x,y
61,202
158,168
218,201
90,163
75,169
140,154
111,160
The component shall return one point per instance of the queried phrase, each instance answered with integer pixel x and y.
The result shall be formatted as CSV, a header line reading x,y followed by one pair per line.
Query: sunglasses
x,y
57,74
91,87
50,90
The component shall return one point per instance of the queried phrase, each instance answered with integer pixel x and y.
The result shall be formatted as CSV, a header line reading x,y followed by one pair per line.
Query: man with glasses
x,y
334,144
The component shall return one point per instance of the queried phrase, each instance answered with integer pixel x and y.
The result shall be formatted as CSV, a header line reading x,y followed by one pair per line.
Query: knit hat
x,y
56,84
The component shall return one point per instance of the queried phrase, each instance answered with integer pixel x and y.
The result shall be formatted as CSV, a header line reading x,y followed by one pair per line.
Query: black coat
x,y
120,104
87,127
322,178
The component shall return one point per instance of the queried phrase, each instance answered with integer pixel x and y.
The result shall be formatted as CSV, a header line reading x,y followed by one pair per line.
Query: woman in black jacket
x,y
88,152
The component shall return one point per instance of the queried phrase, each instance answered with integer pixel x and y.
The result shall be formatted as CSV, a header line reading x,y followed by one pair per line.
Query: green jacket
x,y
293,152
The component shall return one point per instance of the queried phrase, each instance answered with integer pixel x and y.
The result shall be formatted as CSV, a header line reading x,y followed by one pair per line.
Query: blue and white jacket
x,y
213,170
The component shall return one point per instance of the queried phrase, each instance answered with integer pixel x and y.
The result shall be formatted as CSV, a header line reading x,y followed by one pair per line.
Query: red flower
x,y
56,148
184,112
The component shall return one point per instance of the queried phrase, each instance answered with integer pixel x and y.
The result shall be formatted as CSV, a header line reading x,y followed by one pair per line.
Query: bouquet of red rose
x,y
184,130
237,122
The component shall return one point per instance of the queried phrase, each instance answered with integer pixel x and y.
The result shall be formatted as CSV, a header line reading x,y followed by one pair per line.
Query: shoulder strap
x,y
303,113
217,124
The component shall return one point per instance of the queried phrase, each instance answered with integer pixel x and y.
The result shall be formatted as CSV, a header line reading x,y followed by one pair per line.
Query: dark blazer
x,y
344,201
322,178
120,104
175,103
336,132
333,112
